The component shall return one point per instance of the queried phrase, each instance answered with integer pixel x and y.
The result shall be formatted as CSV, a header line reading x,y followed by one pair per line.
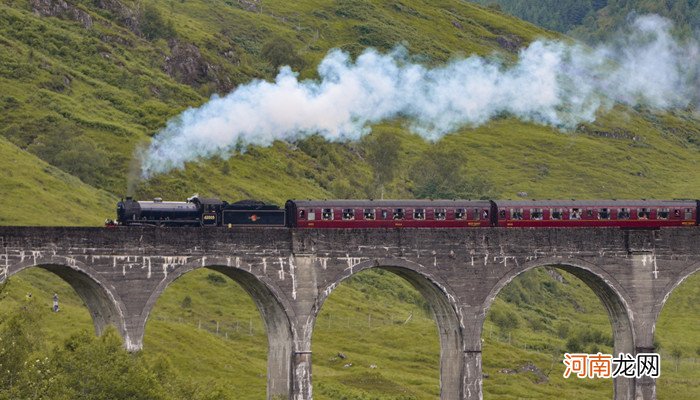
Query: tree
x,y
382,149
440,174
154,26
279,51
17,341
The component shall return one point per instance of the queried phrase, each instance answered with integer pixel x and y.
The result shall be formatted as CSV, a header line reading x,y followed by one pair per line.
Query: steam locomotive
x,y
643,214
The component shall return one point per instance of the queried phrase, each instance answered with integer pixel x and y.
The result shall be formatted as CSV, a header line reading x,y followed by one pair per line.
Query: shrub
x,y
216,279
186,302
279,51
153,26
439,174
506,321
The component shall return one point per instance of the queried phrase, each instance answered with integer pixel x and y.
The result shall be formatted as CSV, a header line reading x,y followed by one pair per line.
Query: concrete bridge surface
x,y
121,272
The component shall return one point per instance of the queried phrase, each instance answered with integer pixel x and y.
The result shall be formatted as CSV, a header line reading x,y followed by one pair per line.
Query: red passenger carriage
x,y
390,213
605,213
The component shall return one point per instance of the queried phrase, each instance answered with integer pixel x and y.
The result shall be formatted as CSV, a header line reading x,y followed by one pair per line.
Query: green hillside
x,y
82,86
595,20
42,194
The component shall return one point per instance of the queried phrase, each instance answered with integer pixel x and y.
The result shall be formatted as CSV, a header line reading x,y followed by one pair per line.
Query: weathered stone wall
x,y
120,273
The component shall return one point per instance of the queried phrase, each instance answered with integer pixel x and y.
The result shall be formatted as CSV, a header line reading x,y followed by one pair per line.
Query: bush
x,y
506,321
382,150
216,279
439,174
153,26
279,51
186,302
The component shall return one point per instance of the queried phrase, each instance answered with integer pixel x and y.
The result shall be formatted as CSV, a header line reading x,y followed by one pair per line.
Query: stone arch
x,y
273,306
443,304
104,305
685,274
613,296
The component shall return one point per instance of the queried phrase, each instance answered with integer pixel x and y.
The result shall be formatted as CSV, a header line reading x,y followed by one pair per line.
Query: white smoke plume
x,y
552,83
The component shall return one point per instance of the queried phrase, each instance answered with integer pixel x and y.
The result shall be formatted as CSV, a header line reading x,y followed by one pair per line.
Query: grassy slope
x,y
62,199
117,96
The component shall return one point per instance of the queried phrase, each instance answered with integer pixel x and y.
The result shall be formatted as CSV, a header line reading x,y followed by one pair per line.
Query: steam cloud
x,y
552,83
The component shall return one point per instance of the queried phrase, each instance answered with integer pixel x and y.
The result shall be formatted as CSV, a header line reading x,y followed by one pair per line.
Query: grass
x,y
62,199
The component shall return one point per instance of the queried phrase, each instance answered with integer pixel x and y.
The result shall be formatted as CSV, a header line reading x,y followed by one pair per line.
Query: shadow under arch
x,y
441,301
105,307
273,307
682,277
609,291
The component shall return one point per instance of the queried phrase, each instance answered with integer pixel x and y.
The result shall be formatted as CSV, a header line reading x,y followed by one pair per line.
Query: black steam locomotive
x,y
198,211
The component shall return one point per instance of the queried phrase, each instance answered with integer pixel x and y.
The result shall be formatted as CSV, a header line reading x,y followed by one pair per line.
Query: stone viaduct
x,y
121,272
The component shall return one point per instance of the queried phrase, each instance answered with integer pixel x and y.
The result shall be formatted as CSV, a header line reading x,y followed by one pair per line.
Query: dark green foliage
x,y
355,9
216,279
504,320
279,52
10,103
589,340
64,145
84,367
440,174
559,15
18,340
372,284
154,26
596,20
382,150
186,302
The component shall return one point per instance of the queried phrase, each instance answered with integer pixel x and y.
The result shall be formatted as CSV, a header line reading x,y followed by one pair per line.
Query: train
x,y
404,214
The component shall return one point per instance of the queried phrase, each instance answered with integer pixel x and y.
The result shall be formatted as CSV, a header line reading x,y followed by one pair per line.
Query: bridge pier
x,y
473,376
301,379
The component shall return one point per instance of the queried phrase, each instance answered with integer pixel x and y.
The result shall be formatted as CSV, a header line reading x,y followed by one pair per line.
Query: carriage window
x,y
502,214
419,213
536,214
676,213
369,213
688,214
516,213
604,213
440,214
302,214
575,213
589,213
398,213
348,213
644,213
476,214
327,214
385,214
623,213
557,213
485,214
311,215
459,213
662,213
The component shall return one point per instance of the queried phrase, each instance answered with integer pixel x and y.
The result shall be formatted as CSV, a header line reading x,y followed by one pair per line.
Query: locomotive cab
x,y
210,210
